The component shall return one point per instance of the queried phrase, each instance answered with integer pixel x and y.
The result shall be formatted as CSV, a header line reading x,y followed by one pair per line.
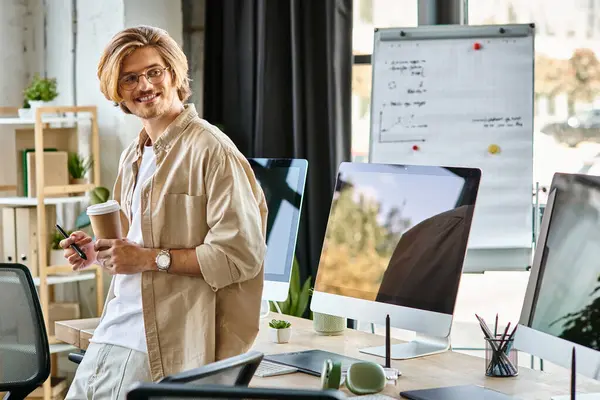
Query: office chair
x,y
147,391
232,371
24,349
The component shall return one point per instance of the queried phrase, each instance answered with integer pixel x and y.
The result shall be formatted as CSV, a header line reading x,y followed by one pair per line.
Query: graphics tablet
x,y
465,392
310,361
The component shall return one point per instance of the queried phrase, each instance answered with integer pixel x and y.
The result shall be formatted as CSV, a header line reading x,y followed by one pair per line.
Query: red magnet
x,y
415,147
477,45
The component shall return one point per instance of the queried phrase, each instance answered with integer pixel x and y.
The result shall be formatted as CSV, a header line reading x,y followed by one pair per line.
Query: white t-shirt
x,y
123,322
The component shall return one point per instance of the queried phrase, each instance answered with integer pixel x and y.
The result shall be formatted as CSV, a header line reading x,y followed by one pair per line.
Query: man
x,y
188,275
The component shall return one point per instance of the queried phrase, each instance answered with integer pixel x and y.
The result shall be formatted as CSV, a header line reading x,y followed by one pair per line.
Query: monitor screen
x,y
282,181
566,302
398,234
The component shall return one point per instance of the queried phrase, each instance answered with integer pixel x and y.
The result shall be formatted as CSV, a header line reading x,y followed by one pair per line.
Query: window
x,y
567,79
368,15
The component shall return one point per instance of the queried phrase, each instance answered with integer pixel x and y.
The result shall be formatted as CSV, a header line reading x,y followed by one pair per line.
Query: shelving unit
x,y
63,123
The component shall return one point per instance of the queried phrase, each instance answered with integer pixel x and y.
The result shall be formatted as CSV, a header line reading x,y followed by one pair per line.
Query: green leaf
x,y
279,324
78,165
41,89
295,278
298,297
82,221
303,298
99,195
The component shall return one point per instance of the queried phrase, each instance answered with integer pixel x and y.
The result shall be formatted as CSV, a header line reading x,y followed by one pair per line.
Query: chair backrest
x,y
233,371
155,391
24,349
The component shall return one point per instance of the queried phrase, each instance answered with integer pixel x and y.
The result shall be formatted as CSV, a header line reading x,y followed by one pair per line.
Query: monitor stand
x,y
265,308
583,396
421,346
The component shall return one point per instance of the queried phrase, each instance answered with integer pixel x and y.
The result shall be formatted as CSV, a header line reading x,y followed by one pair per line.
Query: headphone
x,y
361,378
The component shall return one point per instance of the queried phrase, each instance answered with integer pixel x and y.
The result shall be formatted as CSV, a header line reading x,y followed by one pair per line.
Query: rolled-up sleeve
x,y
234,248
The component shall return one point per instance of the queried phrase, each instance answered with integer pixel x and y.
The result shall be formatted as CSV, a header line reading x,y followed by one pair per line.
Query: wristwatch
x,y
163,260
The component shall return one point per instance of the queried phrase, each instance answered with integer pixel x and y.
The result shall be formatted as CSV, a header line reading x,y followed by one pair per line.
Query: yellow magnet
x,y
494,149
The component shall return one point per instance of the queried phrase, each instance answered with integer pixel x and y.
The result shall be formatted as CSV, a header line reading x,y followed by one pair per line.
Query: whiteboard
x,y
463,96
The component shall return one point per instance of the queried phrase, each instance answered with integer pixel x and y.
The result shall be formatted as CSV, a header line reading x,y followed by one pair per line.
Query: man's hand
x,y
86,245
120,256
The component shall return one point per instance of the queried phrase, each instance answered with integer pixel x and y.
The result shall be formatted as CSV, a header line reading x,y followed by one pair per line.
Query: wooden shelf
x,y
52,190
61,348
61,121
39,133
58,279
32,201
55,348
74,277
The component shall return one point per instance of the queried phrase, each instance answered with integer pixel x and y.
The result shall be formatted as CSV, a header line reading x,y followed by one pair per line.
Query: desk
x,y
446,369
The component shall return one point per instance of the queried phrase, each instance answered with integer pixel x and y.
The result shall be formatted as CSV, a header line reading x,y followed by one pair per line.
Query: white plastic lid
x,y
103,208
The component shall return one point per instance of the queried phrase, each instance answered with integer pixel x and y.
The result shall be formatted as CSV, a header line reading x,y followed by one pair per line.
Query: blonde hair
x,y
126,42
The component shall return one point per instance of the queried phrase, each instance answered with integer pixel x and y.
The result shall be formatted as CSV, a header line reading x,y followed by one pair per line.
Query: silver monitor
x,y
395,245
561,309
282,181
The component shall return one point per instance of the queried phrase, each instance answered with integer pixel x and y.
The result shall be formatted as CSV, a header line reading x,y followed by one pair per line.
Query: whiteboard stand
x,y
462,96
536,215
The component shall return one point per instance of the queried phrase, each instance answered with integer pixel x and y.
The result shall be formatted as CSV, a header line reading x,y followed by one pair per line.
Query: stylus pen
x,y
73,246
388,357
573,375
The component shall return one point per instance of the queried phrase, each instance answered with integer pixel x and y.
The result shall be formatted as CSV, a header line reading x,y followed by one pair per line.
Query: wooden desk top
x,y
446,369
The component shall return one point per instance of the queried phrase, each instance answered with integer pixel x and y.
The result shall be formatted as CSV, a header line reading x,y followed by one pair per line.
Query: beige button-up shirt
x,y
203,196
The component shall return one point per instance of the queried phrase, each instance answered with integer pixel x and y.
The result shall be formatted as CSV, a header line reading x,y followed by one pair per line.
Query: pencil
x,y
496,326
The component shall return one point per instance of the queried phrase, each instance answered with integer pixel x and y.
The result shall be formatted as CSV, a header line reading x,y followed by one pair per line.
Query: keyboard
x,y
268,368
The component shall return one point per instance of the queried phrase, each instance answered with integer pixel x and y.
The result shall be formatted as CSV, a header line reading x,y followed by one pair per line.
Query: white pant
x,y
107,371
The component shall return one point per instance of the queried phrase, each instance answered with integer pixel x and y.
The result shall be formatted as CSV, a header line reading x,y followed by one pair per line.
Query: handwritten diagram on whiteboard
x,y
462,96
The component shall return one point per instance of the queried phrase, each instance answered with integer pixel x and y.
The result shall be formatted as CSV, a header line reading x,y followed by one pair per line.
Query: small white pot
x,y
25,113
38,103
280,335
57,258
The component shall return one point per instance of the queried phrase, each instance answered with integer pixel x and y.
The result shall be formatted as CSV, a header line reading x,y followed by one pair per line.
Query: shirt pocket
x,y
184,221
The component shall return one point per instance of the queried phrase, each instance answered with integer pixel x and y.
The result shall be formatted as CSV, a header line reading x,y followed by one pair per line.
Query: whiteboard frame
x,y
477,260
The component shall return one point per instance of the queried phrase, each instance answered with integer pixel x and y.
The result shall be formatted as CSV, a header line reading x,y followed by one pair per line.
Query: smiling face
x,y
147,100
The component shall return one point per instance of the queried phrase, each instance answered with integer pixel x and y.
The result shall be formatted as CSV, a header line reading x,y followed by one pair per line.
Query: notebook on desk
x,y
310,361
465,392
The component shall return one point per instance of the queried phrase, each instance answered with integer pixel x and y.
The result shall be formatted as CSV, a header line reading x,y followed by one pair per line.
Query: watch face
x,y
163,261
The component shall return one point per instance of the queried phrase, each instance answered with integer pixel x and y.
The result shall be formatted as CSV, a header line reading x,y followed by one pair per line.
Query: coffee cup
x,y
105,219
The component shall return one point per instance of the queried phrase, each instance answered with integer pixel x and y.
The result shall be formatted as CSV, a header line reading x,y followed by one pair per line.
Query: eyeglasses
x,y
154,75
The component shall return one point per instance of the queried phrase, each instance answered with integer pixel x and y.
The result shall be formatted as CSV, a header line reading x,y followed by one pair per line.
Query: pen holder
x,y
500,357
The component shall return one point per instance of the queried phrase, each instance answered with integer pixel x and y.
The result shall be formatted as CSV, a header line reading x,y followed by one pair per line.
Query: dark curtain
x,y
278,81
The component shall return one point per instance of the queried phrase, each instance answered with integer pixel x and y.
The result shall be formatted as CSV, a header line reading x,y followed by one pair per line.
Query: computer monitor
x,y
282,181
561,308
395,245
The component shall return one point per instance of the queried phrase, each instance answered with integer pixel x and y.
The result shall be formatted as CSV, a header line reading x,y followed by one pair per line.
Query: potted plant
x,y
40,92
280,331
78,167
56,252
25,112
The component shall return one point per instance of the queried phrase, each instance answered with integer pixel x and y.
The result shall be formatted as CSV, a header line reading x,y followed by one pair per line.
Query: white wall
x,y
160,13
60,50
193,26
13,52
